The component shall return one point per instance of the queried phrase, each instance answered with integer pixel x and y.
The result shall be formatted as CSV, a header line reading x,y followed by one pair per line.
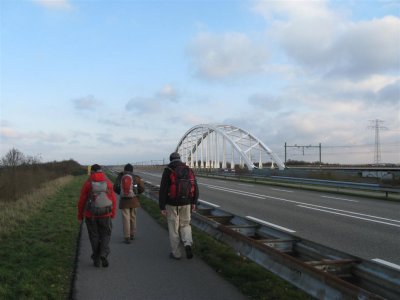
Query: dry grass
x,y
15,213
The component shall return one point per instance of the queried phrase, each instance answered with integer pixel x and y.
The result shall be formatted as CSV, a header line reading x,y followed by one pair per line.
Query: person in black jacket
x,y
178,208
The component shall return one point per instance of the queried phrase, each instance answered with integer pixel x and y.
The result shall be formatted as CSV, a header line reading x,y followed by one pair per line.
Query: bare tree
x,y
32,160
13,158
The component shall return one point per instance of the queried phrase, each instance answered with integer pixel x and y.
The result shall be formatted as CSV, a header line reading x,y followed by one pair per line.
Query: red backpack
x,y
182,183
127,186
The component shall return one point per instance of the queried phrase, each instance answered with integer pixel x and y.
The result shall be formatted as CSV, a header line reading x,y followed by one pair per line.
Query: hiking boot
x,y
104,261
127,241
173,256
189,253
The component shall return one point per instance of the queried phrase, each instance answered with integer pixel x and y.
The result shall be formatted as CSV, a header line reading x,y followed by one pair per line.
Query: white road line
x,y
307,205
279,190
353,213
342,199
151,174
350,216
244,184
387,263
270,224
149,182
235,191
208,203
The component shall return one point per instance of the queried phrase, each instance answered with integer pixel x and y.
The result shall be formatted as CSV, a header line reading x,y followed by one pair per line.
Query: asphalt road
x,y
142,270
360,226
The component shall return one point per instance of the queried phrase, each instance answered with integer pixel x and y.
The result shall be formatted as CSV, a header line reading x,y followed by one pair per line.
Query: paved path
x,y
142,270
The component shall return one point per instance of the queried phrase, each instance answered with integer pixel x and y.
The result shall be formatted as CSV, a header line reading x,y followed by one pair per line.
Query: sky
x,y
112,82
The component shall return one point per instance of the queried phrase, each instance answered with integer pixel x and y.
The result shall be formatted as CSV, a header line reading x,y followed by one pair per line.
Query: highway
x,y
363,227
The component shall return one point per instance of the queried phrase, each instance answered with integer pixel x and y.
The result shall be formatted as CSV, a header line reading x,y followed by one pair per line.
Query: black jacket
x,y
163,198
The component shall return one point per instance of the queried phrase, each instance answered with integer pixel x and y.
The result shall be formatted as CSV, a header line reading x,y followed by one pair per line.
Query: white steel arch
x,y
211,146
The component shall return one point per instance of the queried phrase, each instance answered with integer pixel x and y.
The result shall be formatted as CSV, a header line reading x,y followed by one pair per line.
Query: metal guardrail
x,y
310,182
322,272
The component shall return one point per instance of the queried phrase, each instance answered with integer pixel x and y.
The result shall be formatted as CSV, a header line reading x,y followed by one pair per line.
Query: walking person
x,y
128,186
177,199
97,205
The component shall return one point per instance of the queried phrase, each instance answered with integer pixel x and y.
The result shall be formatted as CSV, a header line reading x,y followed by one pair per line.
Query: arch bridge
x,y
225,146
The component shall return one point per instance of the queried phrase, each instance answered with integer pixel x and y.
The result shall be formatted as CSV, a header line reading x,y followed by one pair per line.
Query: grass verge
x,y
252,280
37,252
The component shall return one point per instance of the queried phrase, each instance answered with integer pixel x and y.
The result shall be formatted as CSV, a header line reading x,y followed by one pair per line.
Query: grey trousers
x,y
99,231
179,227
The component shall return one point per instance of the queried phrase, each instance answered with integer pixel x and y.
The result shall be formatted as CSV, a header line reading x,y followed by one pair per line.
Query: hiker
x,y
177,199
97,205
128,186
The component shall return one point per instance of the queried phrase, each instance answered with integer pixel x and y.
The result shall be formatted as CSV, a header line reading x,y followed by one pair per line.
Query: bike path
x,y
143,270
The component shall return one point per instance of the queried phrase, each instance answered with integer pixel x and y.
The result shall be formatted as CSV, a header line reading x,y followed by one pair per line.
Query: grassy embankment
x,y
38,238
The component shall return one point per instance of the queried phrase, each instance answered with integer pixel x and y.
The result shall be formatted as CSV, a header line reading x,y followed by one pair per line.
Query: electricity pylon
x,y
376,125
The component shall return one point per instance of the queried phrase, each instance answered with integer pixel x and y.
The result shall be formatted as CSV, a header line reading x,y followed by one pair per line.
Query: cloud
x,y
105,138
231,54
112,122
4,123
8,133
390,94
142,105
153,104
86,103
367,48
377,89
324,42
168,92
263,101
54,4
188,120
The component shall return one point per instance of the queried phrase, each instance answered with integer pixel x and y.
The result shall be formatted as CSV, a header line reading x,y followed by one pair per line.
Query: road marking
x,y
353,213
342,199
244,184
346,215
149,182
234,191
270,224
307,205
208,203
279,190
151,174
387,263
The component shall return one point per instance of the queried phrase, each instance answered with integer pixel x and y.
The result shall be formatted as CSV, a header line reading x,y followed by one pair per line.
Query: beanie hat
x,y
95,168
128,168
174,155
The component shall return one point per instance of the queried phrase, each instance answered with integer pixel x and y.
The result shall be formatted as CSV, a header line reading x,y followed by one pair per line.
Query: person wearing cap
x,y
98,219
129,204
177,210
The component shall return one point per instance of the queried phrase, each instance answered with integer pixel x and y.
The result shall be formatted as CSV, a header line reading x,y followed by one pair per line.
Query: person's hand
x,y
193,207
164,212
